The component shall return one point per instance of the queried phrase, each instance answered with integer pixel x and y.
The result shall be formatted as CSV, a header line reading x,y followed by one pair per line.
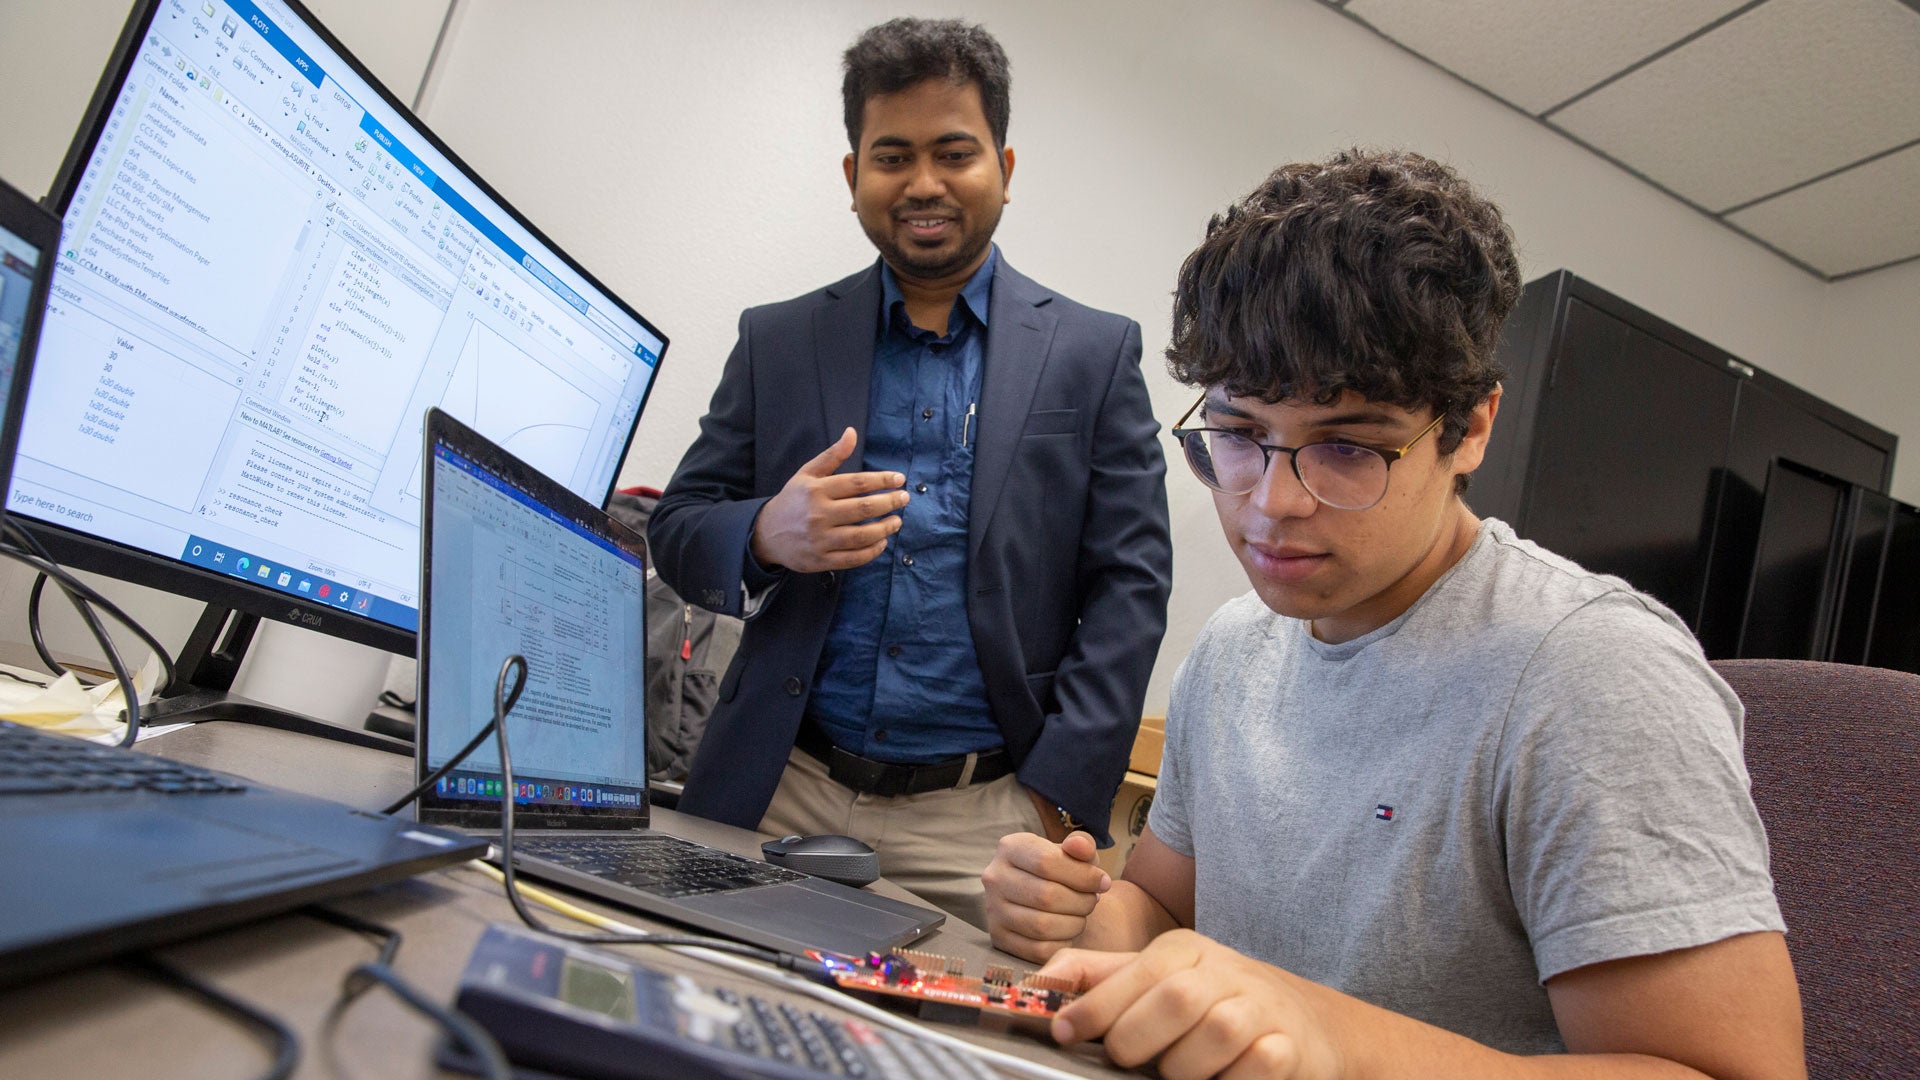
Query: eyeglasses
x,y
1341,475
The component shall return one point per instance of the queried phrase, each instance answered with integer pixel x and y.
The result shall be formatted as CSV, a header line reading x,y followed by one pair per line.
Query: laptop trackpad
x,y
836,924
156,846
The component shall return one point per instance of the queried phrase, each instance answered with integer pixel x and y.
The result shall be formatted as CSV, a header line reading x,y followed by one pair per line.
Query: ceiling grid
x,y
1794,122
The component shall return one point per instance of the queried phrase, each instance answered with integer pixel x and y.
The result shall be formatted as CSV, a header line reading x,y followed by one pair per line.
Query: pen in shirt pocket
x,y
966,425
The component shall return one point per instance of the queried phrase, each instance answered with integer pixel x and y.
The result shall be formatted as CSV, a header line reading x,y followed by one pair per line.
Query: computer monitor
x,y
28,236
269,270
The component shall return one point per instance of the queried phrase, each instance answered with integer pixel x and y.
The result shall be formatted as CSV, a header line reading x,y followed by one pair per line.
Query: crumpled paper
x,y
67,707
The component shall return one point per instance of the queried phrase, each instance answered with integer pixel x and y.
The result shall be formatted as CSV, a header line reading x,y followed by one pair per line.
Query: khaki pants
x,y
934,845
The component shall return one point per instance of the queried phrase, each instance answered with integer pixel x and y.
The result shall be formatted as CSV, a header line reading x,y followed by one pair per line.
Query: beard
x,y
932,263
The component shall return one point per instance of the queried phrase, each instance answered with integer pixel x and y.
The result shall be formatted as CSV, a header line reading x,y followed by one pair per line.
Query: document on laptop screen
x,y
510,575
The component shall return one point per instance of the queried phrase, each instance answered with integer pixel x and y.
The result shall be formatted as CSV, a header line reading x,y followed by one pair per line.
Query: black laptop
x,y
103,850
513,562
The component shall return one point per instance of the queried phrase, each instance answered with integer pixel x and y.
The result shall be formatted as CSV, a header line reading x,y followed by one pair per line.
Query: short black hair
x,y
903,52
1379,272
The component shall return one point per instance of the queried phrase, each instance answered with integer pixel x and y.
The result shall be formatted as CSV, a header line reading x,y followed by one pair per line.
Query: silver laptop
x,y
513,562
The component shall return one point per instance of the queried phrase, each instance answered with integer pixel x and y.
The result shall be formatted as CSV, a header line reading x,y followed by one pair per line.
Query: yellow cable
x,y
548,900
1006,1062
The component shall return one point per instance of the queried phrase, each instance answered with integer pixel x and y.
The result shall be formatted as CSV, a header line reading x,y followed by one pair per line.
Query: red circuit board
x,y
940,984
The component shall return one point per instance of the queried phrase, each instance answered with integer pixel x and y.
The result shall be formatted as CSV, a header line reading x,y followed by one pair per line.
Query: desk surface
x,y
107,1021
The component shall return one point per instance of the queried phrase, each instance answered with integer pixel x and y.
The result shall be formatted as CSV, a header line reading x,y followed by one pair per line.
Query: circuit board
x,y
943,990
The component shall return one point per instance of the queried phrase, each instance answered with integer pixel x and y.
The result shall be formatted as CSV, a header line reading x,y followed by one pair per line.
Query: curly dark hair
x,y
902,52
1379,272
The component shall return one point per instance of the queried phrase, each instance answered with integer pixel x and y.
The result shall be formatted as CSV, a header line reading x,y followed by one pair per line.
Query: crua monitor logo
x,y
303,618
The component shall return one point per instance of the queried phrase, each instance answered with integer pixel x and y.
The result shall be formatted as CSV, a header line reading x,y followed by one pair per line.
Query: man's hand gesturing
x,y
822,520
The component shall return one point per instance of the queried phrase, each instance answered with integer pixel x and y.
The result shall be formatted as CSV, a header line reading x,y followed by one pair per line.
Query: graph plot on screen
x,y
508,395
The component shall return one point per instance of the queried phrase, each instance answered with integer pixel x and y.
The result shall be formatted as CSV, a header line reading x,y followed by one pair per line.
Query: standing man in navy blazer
x,y
933,490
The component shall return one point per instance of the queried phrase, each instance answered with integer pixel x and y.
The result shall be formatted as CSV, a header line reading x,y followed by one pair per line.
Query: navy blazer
x,y
1069,557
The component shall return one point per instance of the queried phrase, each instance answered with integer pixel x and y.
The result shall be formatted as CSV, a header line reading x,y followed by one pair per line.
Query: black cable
x,y
480,1047
27,541
286,1042
80,594
503,700
33,629
461,1028
390,938
433,777
69,582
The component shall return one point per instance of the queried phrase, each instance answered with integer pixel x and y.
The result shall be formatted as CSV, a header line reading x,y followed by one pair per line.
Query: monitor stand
x,y
203,688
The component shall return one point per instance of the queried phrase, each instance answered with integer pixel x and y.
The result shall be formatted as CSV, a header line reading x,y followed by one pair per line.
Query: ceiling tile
x,y
1786,92
1862,218
1538,53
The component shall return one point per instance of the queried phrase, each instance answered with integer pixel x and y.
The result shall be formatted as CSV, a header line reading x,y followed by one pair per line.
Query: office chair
x,y
1834,752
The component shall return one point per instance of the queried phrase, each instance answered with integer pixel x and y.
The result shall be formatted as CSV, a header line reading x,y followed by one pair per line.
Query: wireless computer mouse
x,y
836,858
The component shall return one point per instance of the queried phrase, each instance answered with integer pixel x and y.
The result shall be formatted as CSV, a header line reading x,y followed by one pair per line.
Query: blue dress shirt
x,y
898,679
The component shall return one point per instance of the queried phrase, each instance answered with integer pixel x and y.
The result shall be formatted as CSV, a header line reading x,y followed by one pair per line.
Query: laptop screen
x,y
517,564
19,261
26,232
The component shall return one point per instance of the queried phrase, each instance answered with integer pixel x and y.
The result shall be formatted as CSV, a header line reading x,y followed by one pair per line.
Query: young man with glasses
x,y
1442,803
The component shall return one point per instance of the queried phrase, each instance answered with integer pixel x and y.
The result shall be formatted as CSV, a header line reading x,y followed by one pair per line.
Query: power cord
x,y
504,697
460,1028
80,595
85,598
285,1041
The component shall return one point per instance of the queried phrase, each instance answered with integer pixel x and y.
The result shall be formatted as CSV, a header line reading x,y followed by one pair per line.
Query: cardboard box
x,y
1148,744
1129,819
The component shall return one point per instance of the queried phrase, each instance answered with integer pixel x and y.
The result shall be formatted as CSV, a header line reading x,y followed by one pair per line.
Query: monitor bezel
x,y
168,574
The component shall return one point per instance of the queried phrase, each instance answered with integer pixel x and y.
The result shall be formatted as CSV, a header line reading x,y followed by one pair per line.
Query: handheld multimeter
x,y
554,1005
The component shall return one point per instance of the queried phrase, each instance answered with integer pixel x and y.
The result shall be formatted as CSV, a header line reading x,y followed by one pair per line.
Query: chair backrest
x,y
1834,751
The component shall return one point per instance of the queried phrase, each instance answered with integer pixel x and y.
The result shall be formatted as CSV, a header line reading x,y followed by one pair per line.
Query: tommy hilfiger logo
x,y
1383,812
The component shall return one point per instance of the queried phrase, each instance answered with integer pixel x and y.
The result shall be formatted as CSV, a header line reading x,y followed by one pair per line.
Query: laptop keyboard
x,y
36,763
656,864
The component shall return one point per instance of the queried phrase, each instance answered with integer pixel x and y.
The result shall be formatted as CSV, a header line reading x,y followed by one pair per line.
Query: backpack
x,y
688,649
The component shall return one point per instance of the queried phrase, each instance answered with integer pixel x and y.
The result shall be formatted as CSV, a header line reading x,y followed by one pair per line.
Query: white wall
x,y
687,152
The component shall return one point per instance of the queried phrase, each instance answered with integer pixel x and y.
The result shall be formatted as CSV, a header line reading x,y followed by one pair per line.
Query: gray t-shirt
x,y
1531,770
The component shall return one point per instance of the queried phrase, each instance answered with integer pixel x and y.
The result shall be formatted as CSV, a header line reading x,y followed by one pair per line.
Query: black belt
x,y
890,779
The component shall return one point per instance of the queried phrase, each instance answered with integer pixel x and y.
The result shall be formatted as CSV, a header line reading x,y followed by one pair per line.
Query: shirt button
x,y
921,488
794,686
926,414
893,650
880,736
906,560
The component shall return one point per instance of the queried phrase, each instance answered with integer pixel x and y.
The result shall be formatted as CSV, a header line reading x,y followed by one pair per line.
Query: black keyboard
x,y
37,763
655,863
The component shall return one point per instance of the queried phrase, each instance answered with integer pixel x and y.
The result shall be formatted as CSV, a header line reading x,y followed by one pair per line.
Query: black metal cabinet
x,y
1638,449
1895,638
1862,567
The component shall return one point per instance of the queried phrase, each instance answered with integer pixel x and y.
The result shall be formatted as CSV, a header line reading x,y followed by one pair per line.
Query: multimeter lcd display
x,y
605,990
